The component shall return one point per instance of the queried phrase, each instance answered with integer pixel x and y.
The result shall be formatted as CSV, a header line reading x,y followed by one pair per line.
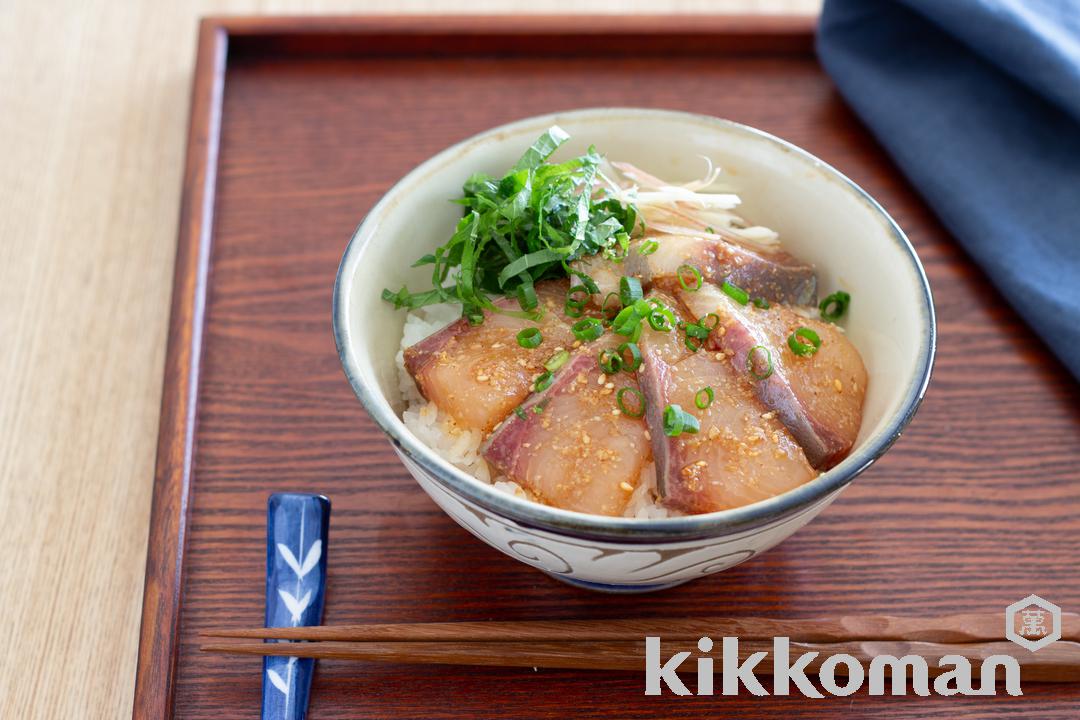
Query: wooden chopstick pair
x,y
619,644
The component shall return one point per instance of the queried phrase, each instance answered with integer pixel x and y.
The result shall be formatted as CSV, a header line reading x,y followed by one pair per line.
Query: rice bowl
x,y
840,229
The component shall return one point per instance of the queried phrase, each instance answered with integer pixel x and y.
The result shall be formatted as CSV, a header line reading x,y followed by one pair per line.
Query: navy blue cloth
x,y
978,102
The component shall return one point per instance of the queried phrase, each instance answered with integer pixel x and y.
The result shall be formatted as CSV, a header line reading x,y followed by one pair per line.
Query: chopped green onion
x,y
520,412
703,398
640,402
648,247
834,306
587,329
704,322
529,338
629,290
588,283
696,331
634,362
761,302
557,360
610,361
804,341
527,296
735,292
611,305
689,277
540,406
677,421
543,382
572,311
691,344
627,321
662,319
750,364
577,297
710,230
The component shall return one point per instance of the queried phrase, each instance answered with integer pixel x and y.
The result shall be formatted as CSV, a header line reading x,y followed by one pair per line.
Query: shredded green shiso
x,y
522,228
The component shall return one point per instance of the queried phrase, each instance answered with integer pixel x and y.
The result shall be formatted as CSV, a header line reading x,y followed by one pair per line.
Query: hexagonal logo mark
x,y
1033,623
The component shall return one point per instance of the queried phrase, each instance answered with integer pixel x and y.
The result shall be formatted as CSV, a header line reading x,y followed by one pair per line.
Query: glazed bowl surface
x,y
822,217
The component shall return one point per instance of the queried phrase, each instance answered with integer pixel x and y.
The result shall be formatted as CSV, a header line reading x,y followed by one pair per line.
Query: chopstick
x,y
1058,662
619,644
957,628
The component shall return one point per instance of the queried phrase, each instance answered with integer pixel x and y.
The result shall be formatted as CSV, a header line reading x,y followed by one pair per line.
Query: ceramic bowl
x,y
822,217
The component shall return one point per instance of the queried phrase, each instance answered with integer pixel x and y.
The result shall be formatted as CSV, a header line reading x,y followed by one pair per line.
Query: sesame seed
x,y
609,385
838,385
602,379
482,378
626,486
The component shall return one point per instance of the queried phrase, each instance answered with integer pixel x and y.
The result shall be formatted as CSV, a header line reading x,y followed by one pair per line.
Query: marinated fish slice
x,y
819,397
775,275
571,445
479,373
778,276
605,272
741,453
671,252
660,265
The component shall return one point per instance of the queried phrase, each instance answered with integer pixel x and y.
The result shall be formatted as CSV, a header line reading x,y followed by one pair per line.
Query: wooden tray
x,y
297,127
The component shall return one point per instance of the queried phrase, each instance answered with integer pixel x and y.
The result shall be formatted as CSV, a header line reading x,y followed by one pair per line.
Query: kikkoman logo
x,y
1026,623
1032,623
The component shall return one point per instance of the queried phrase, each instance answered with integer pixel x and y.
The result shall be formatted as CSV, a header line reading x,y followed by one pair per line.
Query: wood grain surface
x,y
976,506
953,628
1059,662
95,97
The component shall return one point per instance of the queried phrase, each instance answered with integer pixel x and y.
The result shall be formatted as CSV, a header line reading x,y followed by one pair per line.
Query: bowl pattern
x,y
613,566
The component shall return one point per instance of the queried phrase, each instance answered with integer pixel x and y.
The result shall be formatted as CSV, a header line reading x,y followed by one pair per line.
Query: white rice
x,y
461,446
